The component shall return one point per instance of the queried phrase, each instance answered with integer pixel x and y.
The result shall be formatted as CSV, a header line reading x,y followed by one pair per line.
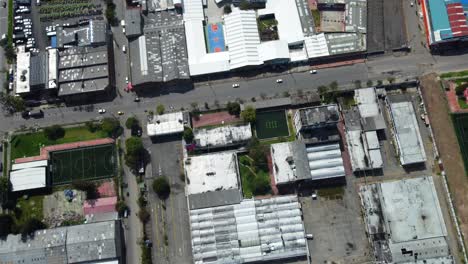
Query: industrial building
x,y
29,176
159,55
93,33
31,73
295,161
223,136
317,123
249,231
405,222
405,130
167,124
89,243
212,180
445,22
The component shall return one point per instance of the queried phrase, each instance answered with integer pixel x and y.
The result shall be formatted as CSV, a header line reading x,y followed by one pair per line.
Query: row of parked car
x,y
23,29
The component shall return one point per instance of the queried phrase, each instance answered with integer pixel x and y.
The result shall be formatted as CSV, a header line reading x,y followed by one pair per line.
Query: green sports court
x,y
460,122
271,124
87,163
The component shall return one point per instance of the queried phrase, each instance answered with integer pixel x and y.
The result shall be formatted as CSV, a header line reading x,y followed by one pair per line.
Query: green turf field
x,y
460,122
88,163
271,124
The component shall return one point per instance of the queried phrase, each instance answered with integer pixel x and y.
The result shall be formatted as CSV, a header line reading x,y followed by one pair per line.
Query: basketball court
x,y
215,35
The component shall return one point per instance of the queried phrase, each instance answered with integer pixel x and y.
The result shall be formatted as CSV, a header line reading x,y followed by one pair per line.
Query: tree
x,y
357,84
379,82
31,226
7,224
143,215
4,185
160,109
370,83
322,89
188,135
54,132
249,114
92,127
245,5
89,187
233,108
261,185
134,151
161,187
258,155
391,79
110,13
460,89
334,86
110,125
227,9
131,122
11,103
120,206
10,53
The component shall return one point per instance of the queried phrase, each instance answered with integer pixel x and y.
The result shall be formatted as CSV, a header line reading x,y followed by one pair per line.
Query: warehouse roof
x,y
211,172
23,63
274,50
28,179
369,109
39,71
407,134
88,243
27,165
166,124
133,24
223,135
289,23
254,230
242,38
193,10
319,115
407,213
316,46
341,43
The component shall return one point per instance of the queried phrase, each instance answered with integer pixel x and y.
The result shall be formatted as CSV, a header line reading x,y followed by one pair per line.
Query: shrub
x,y
143,215
227,9
134,151
89,187
188,135
54,132
110,125
120,206
249,114
233,108
7,224
31,226
131,122
160,109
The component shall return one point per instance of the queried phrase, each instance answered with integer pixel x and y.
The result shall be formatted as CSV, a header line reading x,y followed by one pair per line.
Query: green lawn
x,y
454,74
462,103
248,177
31,207
291,137
29,144
316,16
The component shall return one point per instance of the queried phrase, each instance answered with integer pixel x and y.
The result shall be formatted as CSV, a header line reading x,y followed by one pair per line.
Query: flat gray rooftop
x,y
216,198
160,54
339,43
319,115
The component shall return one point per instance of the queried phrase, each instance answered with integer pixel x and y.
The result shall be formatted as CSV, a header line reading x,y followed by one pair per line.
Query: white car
x,y
313,71
102,110
126,79
235,85
279,80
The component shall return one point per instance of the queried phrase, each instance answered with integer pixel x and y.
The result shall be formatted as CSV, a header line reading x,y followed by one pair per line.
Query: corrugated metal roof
x,y
28,179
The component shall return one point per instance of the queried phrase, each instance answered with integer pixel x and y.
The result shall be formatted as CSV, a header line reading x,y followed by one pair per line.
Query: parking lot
x,y
337,226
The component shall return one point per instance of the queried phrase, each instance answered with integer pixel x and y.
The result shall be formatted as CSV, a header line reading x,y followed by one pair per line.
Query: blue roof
x,y
439,16
53,41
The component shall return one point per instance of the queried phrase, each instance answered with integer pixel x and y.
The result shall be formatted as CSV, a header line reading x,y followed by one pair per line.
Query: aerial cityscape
x,y
233,131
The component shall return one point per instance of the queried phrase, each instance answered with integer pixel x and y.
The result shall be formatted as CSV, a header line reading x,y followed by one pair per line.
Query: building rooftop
x,y
80,243
364,150
369,109
407,135
445,20
28,179
39,69
254,230
94,33
342,43
317,116
356,16
52,72
99,206
166,124
23,63
211,172
213,199
316,46
133,23
406,214
160,54
223,135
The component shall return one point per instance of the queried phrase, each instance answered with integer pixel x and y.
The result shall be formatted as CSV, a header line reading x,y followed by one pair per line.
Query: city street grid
x,y
90,163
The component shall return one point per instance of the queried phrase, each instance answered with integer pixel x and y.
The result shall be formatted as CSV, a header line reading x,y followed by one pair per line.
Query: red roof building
x,y
101,205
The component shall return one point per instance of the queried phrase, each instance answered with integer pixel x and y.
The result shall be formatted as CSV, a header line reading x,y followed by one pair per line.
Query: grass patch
x,y
291,137
462,103
454,74
271,124
29,144
248,177
333,193
32,207
10,22
316,16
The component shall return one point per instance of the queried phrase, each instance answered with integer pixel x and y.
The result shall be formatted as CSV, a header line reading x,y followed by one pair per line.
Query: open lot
x,y
26,145
271,124
460,122
338,228
95,162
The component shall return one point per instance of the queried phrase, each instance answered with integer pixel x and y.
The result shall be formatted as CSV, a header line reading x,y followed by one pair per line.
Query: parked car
x,y
36,113
313,71
235,85
102,110
124,49
279,80
120,113
137,99
136,131
309,236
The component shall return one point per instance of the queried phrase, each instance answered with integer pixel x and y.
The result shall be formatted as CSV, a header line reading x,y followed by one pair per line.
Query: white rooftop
x,y
32,164
211,172
316,46
52,70
28,179
193,10
23,63
166,124
201,62
242,38
282,170
289,23
273,50
252,231
222,136
362,145
366,100
408,213
407,135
